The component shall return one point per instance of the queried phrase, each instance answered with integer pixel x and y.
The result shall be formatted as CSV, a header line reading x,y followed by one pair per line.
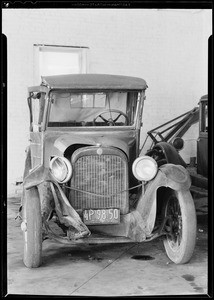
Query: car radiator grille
x,y
103,177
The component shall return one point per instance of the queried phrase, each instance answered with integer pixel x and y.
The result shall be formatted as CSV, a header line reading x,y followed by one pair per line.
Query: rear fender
x,y
169,175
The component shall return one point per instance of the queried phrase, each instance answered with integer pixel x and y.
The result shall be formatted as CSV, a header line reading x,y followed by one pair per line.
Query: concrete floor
x,y
105,270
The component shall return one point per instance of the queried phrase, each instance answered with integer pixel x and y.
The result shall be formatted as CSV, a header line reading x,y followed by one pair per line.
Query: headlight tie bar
x,y
104,196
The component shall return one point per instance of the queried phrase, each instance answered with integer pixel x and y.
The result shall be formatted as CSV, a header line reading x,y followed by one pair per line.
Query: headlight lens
x,y
144,168
61,169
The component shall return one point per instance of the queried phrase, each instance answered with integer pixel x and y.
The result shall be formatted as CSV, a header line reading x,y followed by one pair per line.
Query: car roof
x,y
94,81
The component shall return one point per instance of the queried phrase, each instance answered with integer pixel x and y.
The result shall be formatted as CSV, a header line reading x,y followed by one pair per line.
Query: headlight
x,y
144,168
178,143
61,169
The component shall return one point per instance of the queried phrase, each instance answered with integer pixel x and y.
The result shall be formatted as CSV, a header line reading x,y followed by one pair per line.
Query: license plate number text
x,y
101,216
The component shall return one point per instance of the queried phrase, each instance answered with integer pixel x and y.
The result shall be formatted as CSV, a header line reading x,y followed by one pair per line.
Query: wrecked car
x,y
85,174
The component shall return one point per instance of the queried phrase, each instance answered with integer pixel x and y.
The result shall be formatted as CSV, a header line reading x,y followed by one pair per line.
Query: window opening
x,y
37,107
58,60
69,109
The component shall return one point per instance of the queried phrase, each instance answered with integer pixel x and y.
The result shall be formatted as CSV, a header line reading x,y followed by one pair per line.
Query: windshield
x,y
69,109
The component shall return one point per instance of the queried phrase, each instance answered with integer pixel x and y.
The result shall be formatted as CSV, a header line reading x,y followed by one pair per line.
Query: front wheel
x,y
181,226
32,228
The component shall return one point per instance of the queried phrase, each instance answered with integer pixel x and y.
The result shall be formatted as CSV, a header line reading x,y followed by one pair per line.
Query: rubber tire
x,y
183,253
33,233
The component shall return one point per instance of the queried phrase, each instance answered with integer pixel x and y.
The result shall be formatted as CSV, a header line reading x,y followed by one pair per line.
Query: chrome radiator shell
x,y
103,174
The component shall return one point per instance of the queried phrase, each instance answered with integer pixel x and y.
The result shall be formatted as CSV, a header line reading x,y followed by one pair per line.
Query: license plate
x,y
101,216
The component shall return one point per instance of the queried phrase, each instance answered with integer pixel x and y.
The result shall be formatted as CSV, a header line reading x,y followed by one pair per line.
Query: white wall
x,y
168,48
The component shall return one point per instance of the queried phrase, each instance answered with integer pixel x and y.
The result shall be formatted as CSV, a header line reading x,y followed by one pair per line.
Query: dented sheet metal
x,y
67,214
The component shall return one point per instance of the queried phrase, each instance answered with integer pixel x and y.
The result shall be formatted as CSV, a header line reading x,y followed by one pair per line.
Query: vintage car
x,y
85,175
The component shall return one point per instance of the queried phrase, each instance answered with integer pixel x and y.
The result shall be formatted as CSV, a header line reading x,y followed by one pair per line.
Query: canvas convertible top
x,y
94,81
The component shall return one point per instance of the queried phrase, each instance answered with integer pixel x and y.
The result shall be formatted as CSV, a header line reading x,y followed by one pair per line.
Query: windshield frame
x,y
136,123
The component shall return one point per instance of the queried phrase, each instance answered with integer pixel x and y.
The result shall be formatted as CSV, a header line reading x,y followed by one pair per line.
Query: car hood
x,y
60,141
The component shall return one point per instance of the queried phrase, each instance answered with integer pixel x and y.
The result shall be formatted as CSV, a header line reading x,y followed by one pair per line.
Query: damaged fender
x,y
173,176
66,213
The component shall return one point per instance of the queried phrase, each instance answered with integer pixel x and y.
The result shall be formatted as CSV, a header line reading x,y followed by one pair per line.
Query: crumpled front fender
x,y
37,176
176,177
173,176
66,213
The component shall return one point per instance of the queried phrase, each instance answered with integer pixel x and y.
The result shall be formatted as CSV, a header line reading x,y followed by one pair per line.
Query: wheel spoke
x,y
103,118
116,118
174,224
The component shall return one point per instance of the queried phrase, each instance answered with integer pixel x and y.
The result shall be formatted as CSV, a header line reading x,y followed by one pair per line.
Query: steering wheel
x,y
111,121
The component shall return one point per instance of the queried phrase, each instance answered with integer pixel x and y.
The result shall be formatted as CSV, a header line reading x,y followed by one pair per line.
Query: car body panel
x,y
202,142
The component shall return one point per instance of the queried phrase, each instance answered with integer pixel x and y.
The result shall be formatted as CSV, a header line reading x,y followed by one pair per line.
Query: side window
x,y
37,110
131,105
97,100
